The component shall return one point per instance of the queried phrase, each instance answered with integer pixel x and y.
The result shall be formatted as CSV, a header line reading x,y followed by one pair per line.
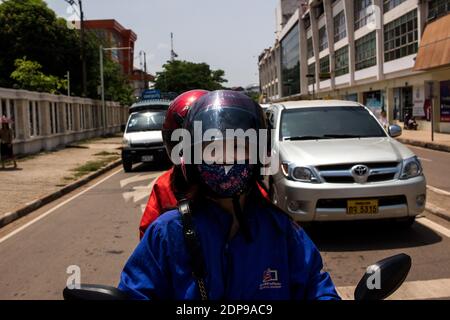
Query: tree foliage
x,y
179,76
29,76
29,28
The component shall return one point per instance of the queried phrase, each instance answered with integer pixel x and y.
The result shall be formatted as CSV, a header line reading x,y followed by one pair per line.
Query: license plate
x,y
362,206
147,158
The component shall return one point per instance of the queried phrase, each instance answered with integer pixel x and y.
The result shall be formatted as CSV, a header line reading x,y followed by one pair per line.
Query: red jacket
x,y
162,198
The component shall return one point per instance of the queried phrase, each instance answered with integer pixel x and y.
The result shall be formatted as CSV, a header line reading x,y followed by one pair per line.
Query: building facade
x,y
114,35
361,50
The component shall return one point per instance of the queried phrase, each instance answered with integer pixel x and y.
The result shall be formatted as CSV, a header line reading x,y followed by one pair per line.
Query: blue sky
x,y
228,35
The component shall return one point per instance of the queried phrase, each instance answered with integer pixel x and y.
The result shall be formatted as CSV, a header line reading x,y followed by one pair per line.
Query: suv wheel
x,y
127,165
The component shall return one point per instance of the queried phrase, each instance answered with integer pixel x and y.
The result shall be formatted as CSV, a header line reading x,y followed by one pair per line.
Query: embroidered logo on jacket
x,y
270,280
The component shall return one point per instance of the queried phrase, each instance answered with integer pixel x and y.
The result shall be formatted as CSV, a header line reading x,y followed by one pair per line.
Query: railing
x,y
43,121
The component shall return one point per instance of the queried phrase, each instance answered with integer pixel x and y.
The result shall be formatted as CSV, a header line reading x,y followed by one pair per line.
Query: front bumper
x,y
135,154
327,201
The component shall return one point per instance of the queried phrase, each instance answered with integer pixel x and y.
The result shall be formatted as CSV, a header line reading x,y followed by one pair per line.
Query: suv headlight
x,y
126,143
411,168
301,174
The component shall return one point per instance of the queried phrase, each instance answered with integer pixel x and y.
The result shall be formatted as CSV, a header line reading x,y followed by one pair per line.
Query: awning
x,y
434,50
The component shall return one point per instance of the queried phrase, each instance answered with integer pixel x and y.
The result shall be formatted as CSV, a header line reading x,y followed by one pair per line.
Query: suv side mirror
x,y
122,128
93,292
383,278
395,131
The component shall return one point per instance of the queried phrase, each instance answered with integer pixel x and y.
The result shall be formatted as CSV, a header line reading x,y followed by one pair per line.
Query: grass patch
x,y
105,154
92,166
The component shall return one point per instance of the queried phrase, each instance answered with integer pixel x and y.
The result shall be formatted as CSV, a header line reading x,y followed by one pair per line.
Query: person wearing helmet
x,y
225,241
163,196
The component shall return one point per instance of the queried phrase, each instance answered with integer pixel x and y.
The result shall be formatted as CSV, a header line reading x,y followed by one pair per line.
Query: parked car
x,y
338,163
142,139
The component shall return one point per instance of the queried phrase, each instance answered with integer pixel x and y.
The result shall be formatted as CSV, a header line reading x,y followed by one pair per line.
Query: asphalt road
x,y
436,167
96,229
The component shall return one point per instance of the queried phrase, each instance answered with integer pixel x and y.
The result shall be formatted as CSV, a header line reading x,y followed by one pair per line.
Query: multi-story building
x,y
114,35
391,55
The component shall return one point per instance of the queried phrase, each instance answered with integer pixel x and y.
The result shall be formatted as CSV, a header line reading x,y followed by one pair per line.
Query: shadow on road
x,y
369,235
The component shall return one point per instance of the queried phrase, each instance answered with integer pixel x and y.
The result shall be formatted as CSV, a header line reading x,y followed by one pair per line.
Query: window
x,y
312,73
319,10
438,8
323,41
341,61
366,53
363,12
391,4
401,37
325,68
307,22
328,123
340,30
310,47
290,62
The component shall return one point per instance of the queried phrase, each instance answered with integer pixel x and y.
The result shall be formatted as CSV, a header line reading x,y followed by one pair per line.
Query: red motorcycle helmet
x,y
176,114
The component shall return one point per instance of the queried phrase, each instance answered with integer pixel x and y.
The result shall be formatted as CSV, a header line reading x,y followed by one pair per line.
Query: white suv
x,y
338,163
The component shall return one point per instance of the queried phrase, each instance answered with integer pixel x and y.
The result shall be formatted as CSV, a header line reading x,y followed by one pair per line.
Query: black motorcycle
x,y
391,273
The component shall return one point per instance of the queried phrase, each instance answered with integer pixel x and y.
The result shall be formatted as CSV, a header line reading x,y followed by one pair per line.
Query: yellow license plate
x,y
362,206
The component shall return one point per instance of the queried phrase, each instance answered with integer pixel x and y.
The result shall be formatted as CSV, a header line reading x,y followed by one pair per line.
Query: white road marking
x,y
439,191
56,208
137,178
139,192
434,226
410,290
425,159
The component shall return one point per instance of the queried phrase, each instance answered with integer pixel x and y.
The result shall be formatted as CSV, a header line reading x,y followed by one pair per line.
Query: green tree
x,y
179,76
29,28
28,76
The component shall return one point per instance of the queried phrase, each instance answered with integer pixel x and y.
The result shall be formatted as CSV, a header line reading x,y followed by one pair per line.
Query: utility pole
x,y
102,88
102,81
145,70
173,55
83,57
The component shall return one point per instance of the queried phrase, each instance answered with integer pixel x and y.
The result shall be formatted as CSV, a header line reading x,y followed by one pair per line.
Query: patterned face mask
x,y
226,181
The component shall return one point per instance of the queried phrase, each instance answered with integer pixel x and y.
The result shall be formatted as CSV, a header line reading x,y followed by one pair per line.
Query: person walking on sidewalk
x,y
6,146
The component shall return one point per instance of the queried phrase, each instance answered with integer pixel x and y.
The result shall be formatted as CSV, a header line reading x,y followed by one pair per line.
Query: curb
x,y
9,217
424,144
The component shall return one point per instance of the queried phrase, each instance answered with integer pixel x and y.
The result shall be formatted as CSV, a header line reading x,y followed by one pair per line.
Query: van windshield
x,y
329,123
148,121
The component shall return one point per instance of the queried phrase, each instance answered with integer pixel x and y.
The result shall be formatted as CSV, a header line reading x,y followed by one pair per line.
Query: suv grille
x,y
341,173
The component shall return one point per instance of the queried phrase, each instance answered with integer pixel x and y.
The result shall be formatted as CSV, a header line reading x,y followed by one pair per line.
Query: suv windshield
x,y
147,121
329,123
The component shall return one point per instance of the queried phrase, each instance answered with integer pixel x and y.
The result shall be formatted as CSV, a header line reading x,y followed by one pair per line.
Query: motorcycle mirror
x,y
93,292
383,278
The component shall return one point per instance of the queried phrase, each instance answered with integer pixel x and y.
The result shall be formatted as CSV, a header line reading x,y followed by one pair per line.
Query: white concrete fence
x,y
44,121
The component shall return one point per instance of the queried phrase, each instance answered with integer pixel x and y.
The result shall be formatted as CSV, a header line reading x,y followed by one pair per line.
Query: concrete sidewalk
x,y
422,138
42,174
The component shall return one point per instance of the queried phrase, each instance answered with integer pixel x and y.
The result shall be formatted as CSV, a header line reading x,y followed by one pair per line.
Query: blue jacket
x,y
280,263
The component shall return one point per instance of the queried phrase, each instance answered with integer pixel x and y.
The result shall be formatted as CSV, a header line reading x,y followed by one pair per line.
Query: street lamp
x,y
102,80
